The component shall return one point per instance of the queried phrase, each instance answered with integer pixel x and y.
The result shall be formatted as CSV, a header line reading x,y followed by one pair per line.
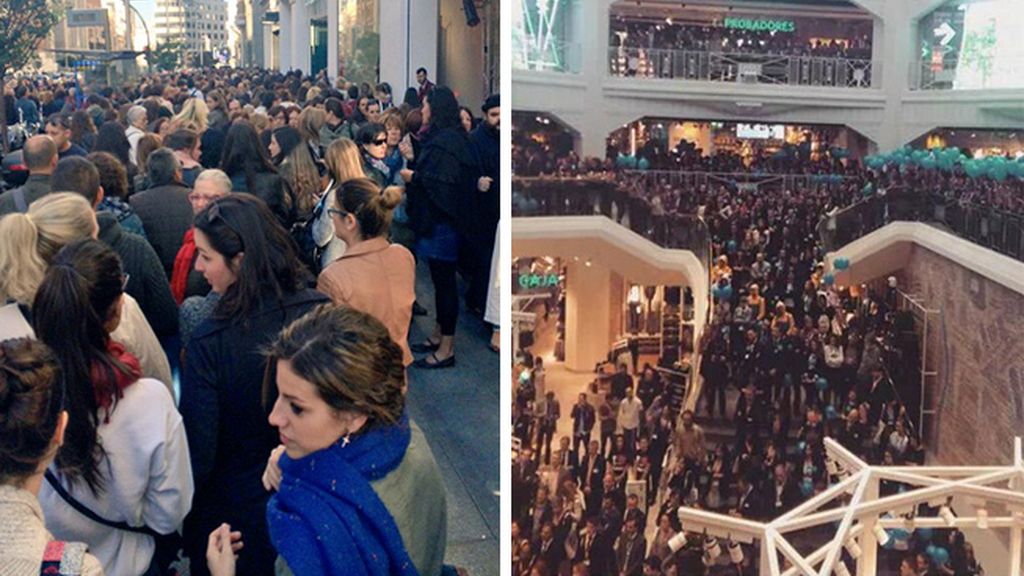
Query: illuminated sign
x,y
528,281
760,25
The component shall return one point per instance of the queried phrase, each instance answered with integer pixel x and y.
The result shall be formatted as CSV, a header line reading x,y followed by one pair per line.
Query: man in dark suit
x,y
548,548
583,418
630,551
541,512
592,471
550,412
784,493
568,462
164,208
633,511
748,503
40,157
524,483
620,381
595,550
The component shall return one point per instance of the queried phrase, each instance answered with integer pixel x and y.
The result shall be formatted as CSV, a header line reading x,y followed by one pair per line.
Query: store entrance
x,y
318,50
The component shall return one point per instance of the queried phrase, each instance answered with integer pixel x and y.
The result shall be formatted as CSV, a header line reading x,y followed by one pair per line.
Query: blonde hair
x,y
344,161
259,121
28,242
194,114
310,121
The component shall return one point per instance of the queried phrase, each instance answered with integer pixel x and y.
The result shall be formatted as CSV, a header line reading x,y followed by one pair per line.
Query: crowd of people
x,y
804,359
205,348
680,35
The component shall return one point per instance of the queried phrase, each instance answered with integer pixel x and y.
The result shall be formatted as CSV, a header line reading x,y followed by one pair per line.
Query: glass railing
x,y
996,229
976,74
552,56
682,179
744,68
601,197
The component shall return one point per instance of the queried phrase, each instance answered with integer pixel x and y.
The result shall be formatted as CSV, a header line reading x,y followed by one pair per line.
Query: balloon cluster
x,y
998,168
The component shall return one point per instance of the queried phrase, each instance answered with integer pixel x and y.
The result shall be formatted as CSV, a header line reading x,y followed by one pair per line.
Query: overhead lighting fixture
x,y
881,535
735,553
946,513
711,548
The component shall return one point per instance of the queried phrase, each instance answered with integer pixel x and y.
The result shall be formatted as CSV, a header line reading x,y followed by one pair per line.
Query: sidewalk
x,y
459,410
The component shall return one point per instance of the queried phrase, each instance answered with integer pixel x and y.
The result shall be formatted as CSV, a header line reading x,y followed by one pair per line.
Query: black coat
x,y
225,417
272,189
485,206
166,215
446,174
147,282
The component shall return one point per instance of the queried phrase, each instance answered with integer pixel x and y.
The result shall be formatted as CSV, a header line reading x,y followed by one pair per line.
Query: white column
x,y
332,39
408,29
283,39
300,36
898,49
588,315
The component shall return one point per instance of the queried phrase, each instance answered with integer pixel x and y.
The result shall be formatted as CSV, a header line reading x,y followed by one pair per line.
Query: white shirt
x,y
135,333
147,480
134,135
629,413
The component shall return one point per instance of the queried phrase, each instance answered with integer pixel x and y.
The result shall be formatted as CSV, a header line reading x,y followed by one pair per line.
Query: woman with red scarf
x,y
125,456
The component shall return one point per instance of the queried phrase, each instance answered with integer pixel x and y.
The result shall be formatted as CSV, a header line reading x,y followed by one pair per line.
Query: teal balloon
x,y
867,190
940,556
806,487
731,246
716,291
726,291
830,412
998,170
841,263
829,279
899,534
821,383
925,534
930,550
643,164
929,163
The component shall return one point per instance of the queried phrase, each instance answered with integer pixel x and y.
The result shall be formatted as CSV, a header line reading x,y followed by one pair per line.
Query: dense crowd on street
x,y
209,279
804,359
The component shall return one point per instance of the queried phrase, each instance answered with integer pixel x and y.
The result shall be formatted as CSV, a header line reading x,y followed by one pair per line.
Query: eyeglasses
x,y
336,212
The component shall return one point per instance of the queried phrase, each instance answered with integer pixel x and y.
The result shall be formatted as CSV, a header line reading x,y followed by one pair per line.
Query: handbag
x,y
168,556
302,234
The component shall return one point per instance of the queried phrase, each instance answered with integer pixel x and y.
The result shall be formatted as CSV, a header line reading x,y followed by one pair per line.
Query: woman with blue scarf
x,y
358,489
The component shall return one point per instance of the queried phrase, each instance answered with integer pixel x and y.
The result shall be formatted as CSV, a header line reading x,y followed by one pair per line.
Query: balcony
x,y
767,69
598,197
999,230
961,74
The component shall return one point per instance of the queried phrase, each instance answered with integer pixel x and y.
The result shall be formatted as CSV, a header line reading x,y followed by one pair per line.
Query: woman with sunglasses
x,y
373,143
249,259
358,489
33,423
373,275
125,456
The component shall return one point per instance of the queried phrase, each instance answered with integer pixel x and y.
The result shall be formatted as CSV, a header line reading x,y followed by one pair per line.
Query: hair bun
x,y
391,197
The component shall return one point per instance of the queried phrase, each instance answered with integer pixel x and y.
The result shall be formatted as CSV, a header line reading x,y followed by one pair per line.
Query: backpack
x,y
302,234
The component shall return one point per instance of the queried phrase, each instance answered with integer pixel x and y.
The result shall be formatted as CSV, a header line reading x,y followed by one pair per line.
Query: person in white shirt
x,y
135,131
630,411
125,455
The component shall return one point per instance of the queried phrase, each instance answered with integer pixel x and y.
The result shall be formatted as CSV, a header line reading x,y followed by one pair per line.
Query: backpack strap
x,y
19,200
85,511
63,558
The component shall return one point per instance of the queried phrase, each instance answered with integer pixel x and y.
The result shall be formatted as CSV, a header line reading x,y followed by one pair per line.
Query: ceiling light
x,y
735,553
881,535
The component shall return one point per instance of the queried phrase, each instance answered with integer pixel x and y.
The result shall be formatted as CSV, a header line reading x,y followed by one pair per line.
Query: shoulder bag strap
x,y
85,511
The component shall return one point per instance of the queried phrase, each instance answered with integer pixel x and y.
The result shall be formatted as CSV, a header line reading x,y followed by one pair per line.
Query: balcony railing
x,y
996,229
597,197
695,179
986,74
553,56
744,68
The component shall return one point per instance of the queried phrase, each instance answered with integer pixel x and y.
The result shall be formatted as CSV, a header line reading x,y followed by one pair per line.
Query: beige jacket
x,y
23,535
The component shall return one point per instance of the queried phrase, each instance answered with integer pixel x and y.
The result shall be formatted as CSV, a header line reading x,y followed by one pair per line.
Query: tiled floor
x,y
459,411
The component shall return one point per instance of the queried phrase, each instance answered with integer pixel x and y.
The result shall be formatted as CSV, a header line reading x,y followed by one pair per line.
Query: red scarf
x,y
183,265
109,385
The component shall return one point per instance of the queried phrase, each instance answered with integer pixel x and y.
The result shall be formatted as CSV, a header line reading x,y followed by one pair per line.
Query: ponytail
x,y
76,298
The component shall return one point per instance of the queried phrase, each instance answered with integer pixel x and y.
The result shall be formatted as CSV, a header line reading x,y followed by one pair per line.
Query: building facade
x,y
199,26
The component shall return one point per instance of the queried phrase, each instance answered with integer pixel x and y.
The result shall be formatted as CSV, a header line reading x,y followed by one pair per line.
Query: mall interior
x,y
767,276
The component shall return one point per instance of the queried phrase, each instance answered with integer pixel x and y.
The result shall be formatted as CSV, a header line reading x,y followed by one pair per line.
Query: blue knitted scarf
x,y
326,518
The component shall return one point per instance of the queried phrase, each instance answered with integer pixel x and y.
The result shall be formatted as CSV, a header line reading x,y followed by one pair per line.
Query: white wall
x,y
407,25
595,103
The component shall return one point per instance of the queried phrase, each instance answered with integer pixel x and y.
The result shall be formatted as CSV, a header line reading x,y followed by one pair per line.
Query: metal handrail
x,y
996,229
779,69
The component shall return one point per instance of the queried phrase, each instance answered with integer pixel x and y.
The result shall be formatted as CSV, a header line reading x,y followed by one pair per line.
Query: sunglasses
x,y
213,213
379,142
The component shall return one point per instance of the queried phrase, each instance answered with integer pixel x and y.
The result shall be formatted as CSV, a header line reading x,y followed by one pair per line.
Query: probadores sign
x,y
760,25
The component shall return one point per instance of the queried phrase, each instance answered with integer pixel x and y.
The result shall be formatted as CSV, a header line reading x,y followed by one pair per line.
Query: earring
x,y
345,439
